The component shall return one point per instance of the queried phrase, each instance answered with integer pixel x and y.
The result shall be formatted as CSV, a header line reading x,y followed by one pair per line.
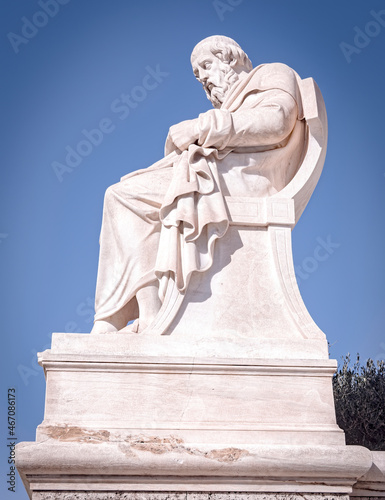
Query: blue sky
x,y
65,78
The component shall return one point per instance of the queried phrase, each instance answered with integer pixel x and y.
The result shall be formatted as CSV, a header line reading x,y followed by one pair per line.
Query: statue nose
x,y
203,75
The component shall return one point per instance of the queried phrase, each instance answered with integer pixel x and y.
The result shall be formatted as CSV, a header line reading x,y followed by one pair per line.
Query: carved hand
x,y
181,135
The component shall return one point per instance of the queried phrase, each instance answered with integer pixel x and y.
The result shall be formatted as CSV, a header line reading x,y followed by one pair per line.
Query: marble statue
x,y
161,224
226,392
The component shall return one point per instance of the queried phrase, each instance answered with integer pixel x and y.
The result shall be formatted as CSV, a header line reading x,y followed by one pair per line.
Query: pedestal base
x,y
171,495
127,422
160,466
191,400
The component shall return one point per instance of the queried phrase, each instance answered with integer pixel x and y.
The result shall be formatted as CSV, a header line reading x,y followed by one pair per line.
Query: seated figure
x,y
162,223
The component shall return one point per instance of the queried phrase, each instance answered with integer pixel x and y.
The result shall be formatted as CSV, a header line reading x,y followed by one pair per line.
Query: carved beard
x,y
217,94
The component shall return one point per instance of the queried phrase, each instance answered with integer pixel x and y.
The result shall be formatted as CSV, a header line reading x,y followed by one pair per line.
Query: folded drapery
x,y
193,213
162,222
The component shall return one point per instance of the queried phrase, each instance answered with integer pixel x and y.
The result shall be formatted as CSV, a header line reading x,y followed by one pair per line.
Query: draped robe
x,y
163,222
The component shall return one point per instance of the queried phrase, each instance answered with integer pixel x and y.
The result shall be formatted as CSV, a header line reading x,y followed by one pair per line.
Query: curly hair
x,y
226,49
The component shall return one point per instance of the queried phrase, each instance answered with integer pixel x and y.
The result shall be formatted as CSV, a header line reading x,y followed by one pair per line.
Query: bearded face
x,y
217,93
216,76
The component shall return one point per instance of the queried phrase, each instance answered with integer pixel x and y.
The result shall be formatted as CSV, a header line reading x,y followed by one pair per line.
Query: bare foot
x,y
103,326
112,323
135,327
131,328
149,305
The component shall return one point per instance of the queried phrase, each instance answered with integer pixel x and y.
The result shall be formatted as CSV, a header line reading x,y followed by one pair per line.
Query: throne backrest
x,y
286,206
301,187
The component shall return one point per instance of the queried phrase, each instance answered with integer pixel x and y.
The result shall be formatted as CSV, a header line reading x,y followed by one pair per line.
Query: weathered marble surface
x,y
372,484
172,495
158,466
212,400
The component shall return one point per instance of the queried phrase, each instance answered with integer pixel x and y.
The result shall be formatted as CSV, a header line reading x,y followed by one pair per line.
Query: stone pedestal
x,y
372,484
86,495
122,420
111,384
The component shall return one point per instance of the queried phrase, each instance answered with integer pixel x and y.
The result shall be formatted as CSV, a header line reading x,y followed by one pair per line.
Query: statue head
x,y
218,62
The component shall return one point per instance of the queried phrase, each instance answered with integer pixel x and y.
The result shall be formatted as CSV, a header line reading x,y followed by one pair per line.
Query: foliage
x,y
359,394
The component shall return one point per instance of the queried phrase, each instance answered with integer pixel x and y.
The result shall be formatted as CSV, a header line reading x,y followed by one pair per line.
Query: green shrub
x,y
359,395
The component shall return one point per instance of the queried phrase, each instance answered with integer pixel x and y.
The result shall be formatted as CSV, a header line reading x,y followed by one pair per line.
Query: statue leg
x,y
149,305
127,288
112,323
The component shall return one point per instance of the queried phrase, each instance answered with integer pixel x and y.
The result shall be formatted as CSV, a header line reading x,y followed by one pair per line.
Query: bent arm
x,y
264,119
